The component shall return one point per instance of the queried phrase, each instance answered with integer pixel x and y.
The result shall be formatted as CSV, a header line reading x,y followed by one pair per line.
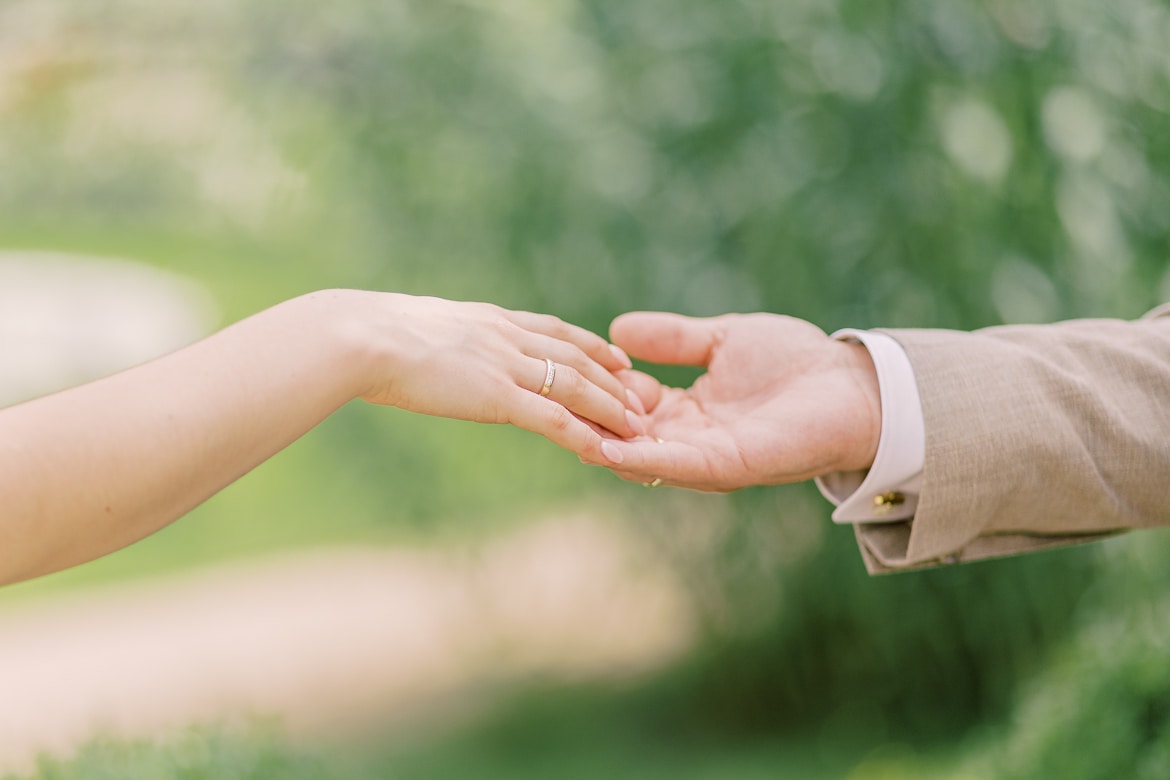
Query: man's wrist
x,y
889,489
864,375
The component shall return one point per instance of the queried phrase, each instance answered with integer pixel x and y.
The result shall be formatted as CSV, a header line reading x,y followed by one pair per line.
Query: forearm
x,y
1036,435
94,468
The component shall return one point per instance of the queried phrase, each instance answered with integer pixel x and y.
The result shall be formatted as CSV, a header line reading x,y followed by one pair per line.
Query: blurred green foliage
x,y
258,755
200,754
933,164
1100,708
951,163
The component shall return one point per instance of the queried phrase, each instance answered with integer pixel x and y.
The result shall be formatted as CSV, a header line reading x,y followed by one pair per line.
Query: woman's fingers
x,y
598,349
557,424
561,342
574,368
566,354
584,380
646,460
643,391
569,388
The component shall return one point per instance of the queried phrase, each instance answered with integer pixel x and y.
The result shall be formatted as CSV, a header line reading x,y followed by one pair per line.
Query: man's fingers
x,y
644,460
653,462
672,339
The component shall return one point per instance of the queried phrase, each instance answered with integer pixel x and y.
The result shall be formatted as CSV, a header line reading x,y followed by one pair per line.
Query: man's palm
x,y
780,401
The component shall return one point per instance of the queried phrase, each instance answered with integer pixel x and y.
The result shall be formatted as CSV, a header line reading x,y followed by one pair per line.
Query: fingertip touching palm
x,y
780,402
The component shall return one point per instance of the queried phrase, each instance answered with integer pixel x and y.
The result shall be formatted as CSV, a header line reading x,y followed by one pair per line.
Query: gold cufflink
x,y
884,502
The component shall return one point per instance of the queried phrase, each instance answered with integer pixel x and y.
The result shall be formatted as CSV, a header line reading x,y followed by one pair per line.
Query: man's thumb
x,y
662,337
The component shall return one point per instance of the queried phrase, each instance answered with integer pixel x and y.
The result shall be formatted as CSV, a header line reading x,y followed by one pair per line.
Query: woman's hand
x,y
479,362
90,469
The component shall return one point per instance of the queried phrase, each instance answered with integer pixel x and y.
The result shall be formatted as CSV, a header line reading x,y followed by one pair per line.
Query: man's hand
x,y
780,402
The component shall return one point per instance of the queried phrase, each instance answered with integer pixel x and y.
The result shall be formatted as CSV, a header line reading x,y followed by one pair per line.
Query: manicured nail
x,y
635,424
611,453
622,357
635,402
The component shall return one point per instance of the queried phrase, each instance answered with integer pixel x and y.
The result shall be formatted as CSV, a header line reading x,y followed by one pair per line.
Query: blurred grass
x,y
525,745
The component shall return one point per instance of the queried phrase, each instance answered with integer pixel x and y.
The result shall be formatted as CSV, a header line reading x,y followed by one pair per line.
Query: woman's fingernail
x,y
622,357
635,402
611,453
635,424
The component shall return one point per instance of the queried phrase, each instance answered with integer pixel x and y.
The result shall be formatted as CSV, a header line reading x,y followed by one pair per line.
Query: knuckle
x,y
574,389
578,356
560,419
552,324
595,346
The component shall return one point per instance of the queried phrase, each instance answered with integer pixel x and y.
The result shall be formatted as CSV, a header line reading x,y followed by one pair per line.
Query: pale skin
x,y
92,469
780,402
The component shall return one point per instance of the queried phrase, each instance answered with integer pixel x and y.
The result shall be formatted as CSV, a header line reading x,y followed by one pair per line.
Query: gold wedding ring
x,y
550,376
657,480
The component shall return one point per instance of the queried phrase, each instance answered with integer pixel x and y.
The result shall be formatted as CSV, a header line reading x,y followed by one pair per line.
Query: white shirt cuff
x,y
889,490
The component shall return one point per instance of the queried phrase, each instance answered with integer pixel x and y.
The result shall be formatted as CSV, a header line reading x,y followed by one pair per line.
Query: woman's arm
x,y
92,469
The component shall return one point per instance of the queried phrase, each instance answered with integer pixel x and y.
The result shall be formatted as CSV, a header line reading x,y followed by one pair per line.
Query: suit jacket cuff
x,y
1036,436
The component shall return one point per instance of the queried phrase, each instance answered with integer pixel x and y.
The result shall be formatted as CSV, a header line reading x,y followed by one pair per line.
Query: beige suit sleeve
x,y
1036,436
